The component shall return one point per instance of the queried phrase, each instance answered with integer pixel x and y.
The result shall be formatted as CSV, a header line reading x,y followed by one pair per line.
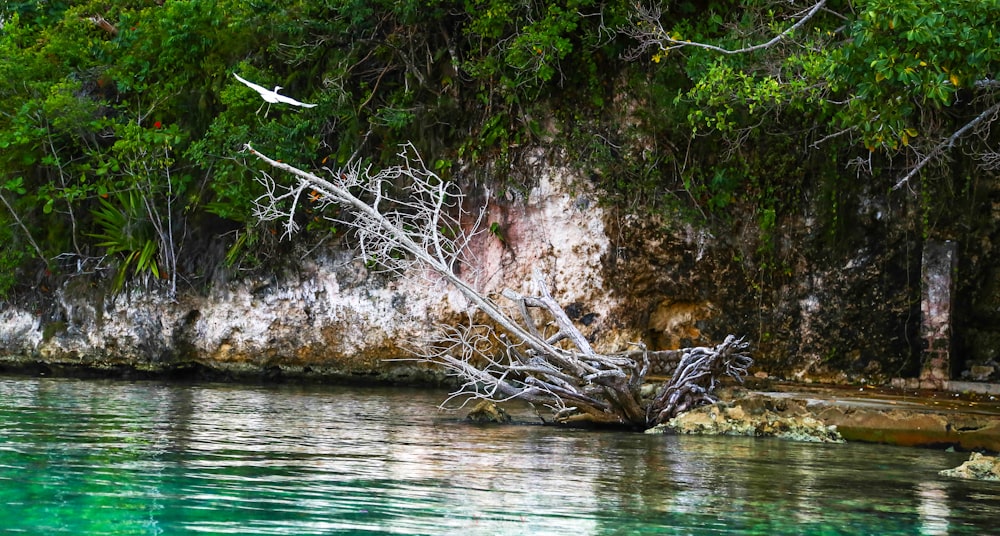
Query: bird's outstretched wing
x,y
259,89
289,100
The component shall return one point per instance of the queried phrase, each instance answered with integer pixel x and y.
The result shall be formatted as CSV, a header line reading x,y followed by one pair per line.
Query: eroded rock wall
x,y
814,307
328,314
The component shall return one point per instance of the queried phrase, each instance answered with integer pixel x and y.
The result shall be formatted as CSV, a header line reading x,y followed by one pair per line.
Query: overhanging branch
x,y
652,33
948,143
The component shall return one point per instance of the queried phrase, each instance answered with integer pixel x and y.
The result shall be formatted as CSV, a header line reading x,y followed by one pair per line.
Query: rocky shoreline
x,y
938,419
753,415
874,415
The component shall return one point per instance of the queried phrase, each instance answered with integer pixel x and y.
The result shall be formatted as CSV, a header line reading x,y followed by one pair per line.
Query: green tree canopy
x,y
126,116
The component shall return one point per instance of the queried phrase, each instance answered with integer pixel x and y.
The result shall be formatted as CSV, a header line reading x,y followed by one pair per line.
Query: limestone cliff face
x,y
810,310
330,315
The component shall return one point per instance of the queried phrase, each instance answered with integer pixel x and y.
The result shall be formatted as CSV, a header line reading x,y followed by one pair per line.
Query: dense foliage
x,y
122,125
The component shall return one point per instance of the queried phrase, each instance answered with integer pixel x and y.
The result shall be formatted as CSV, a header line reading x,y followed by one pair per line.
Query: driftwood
x,y
530,349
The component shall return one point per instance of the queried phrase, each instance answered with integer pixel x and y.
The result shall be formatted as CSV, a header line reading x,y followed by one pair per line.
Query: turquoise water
x,y
98,457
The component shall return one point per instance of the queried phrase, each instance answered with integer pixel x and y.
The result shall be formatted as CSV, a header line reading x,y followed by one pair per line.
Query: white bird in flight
x,y
271,97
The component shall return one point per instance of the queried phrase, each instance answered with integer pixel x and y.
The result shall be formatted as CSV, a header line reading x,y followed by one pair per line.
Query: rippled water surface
x,y
95,457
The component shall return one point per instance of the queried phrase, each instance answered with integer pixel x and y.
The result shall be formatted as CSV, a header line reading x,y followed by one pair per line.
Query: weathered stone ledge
x,y
947,385
937,420
389,373
756,416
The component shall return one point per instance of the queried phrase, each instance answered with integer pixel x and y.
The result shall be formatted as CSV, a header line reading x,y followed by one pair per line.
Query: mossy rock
x,y
487,412
978,467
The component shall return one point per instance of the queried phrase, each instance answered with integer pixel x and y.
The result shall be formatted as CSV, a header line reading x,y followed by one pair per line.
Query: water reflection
x,y
146,458
933,509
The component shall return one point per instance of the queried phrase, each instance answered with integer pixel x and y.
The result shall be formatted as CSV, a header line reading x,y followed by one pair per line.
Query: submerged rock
x,y
488,412
753,416
978,467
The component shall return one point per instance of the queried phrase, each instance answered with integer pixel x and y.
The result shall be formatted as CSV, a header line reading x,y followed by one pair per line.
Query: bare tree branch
x,y
103,24
650,33
988,114
406,216
17,219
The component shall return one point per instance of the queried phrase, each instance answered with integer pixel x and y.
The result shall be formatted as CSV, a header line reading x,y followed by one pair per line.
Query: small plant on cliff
x,y
125,230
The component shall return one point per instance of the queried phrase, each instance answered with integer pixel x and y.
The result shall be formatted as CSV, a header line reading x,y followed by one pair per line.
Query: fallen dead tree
x,y
530,349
